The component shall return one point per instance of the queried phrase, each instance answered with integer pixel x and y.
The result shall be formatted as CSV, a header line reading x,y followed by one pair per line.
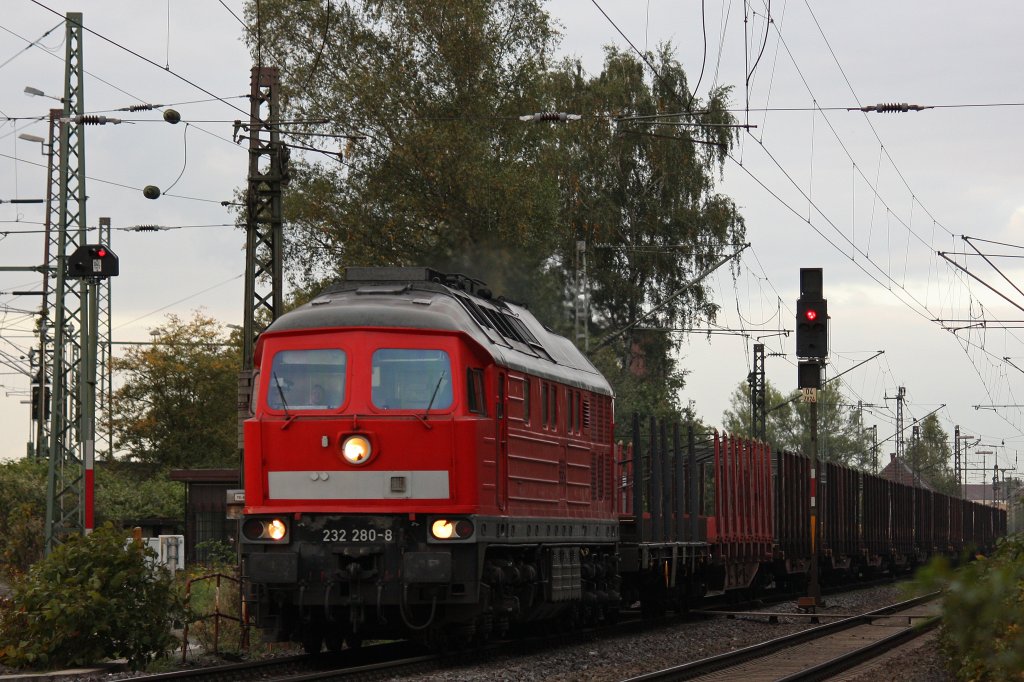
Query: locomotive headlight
x,y
451,529
356,450
276,529
265,530
442,529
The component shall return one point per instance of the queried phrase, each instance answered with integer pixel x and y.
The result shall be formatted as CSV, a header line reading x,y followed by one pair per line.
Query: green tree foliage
x,y
929,456
436,169
841,436
23,490
639,188
126,493
639,192
177,405
779,419
651,390
424,98
93,599
983,612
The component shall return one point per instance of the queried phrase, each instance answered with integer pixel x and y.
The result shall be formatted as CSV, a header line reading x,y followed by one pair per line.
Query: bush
x,y
23,490
94,598
983,612
23,543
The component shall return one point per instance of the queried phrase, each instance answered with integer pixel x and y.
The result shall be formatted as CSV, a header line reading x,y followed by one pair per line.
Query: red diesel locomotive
x,y
423,459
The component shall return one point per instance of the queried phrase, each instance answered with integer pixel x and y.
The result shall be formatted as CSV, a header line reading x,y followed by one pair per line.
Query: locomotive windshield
x,y
307,380
411,379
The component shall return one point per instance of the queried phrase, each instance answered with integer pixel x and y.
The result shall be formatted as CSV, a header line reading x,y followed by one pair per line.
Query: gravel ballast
x,y
613,659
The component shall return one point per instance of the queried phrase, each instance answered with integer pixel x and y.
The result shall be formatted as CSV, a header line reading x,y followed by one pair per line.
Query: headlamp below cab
x,y
450,529
268,530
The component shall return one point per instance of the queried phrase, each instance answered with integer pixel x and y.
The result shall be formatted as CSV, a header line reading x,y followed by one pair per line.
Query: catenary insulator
x,y
890,107
550,116
90,120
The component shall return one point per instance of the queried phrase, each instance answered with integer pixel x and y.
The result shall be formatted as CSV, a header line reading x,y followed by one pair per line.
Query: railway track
x,y
406,658
837,646
372,662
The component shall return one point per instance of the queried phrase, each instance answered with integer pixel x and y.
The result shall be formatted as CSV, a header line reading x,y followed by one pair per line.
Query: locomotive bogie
x,y
403,587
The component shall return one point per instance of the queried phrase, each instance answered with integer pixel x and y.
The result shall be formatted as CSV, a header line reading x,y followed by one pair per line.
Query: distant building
x,y
983,493
206,509
898,471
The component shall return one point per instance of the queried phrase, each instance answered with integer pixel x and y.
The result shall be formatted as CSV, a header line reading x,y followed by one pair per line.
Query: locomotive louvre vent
x,y
502,325
586,413
522,329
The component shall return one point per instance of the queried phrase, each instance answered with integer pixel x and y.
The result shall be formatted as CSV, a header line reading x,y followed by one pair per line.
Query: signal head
x,y
92,261
812,328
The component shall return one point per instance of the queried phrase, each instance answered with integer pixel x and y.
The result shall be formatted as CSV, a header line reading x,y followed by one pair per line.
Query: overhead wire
x,y
214,98
184,163
115,184
889,212
642,55
147,60
180,300
908,298
29,46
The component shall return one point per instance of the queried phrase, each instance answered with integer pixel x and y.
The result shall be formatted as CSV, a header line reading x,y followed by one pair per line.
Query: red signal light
x,y
101,253
811,328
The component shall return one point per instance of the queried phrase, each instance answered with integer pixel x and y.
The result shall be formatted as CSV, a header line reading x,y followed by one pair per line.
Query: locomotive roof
x,y
422,298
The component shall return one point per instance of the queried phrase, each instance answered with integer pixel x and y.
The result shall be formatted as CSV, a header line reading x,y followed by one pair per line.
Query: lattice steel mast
x,y
65,501
50,250
758,408
264,244
104,349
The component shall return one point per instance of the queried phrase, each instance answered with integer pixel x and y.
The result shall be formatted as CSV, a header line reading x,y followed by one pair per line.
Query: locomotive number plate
x,y
358,535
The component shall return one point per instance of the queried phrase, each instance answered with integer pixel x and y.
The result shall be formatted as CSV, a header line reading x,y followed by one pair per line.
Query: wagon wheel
x,y
312,640
334,642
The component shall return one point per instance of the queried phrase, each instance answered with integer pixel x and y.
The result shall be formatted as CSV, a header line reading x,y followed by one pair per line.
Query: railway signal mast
x,y
812,344
264,242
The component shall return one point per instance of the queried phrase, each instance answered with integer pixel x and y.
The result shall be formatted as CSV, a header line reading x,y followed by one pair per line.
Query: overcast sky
x,y
870,198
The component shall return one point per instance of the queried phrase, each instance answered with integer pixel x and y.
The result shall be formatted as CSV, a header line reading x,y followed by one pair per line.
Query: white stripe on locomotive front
x,y
358,485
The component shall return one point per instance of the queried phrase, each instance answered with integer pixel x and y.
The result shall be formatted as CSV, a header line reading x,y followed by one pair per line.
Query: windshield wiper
x,y
284,402
437,387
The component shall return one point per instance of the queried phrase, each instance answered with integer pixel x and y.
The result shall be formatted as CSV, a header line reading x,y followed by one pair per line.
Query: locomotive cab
x,y
377,466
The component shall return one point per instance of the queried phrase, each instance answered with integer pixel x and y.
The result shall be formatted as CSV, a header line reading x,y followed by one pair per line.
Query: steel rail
x,y
868,652
713,664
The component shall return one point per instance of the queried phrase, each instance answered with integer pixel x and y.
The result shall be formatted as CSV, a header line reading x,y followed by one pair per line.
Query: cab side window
x,y
553,404
526,401
475,401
